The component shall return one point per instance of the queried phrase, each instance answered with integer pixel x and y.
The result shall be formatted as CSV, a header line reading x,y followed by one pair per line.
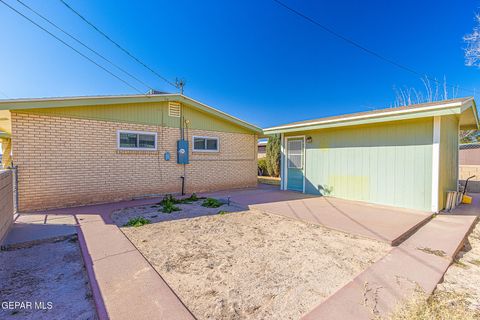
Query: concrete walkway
x,y
30,228
419,262
124,284
384,223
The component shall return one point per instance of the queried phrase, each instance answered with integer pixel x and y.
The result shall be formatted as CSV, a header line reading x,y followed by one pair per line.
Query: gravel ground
x,y
464,274
51,277
154,212
252,265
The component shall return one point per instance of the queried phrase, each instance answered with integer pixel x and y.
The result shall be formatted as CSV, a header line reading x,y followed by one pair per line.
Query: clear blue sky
x,y
252,59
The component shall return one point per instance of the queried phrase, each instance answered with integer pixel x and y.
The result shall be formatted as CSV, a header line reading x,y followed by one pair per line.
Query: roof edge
x,y
352,117
37,103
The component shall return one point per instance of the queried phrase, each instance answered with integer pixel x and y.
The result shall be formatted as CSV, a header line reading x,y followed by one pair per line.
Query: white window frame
x,y
204,150
138,133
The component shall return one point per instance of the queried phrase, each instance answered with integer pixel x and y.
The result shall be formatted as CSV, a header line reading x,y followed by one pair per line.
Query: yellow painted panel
x,y
388,163
151,113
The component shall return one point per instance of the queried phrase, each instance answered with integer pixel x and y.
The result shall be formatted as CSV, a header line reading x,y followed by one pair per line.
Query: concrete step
x,y
419,262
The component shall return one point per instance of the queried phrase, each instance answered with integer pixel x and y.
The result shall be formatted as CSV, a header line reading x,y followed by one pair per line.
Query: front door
x,y
295,163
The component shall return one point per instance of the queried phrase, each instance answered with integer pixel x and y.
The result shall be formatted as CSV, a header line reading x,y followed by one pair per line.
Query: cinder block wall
x,y
6,202
467,171
66,162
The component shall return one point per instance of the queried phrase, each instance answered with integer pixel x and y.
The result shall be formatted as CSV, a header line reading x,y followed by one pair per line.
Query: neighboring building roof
x,y
445,107
19,104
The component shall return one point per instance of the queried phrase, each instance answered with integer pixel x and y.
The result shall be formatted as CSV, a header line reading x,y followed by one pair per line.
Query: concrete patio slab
x,y
419,262
384,223
31,228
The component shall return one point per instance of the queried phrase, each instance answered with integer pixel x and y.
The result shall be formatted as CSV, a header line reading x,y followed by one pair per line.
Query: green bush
x,y
211,203
192,198
137,222
168,204
273,156
262,167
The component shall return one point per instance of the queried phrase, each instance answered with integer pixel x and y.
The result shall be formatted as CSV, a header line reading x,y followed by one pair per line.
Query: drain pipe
x,y
183,185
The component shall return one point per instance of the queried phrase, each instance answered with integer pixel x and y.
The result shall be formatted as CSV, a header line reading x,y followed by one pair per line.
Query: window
x,y
136,140
205,144
295,154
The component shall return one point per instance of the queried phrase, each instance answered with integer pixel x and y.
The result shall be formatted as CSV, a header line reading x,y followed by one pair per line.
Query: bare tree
x,y
472,51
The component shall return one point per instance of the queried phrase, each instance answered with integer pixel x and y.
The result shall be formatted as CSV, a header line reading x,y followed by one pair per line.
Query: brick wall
x,y
6,202
65,162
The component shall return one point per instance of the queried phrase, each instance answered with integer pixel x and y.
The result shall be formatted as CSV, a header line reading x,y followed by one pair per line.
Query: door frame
x,y
285,169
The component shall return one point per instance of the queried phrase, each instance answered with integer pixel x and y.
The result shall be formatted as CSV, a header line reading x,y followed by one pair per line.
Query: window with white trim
x,y
205,144
295,154
136,140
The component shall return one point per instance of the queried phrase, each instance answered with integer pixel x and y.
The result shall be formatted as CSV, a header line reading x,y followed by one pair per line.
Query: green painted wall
x,y
152,113
448,179
389,163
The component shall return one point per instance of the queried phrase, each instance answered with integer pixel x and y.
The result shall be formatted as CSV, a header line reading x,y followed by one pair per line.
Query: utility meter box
x,y
182,152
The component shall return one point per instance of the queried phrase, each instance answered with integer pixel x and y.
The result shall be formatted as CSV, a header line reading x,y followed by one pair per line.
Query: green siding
x,y
448,180
151,113
388,163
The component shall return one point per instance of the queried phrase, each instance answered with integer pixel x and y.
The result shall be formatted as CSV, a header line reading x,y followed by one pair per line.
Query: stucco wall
x,y
6,201
66,161
389,163
467,171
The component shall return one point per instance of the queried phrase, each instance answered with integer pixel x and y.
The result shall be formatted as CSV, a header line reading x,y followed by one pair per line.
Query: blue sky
x,y
252,59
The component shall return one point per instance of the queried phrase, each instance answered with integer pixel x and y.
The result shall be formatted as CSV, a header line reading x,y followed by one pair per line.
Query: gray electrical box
x,y
182,152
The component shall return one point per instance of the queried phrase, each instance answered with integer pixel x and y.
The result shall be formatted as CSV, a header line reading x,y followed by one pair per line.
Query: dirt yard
x,y
457,297
252,265
464,275
49,281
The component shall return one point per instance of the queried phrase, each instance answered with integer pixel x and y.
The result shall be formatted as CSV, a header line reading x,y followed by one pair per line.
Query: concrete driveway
x,y
384,223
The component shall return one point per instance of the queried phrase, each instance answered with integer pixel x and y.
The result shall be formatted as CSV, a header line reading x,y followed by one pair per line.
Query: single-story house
x,y
262,149
404,156
79,150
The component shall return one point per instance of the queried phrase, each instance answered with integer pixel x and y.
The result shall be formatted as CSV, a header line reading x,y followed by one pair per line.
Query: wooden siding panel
x,y
386,164
448,157
152,113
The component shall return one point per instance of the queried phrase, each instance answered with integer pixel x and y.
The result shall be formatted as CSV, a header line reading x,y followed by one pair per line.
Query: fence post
x,y
15,188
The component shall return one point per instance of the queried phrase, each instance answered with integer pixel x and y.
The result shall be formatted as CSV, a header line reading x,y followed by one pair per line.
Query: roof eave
x,y
443,109
19,104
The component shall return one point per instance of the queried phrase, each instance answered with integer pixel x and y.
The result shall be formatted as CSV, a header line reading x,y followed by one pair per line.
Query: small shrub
x,y
191,199
211,203
262,167
221,212
169,199
137,222
169,207
168,204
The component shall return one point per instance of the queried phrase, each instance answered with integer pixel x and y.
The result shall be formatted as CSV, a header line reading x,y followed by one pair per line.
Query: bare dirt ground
x,y
49,272
252,265
464,275
154,212
457,297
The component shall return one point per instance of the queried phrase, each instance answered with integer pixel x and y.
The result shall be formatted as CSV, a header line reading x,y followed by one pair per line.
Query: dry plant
x,y
435,90
441,305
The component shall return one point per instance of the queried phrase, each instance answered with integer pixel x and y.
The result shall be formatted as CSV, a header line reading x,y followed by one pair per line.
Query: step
x,y
420,261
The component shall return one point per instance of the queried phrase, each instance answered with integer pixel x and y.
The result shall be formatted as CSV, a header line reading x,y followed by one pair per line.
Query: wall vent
x,y
174,109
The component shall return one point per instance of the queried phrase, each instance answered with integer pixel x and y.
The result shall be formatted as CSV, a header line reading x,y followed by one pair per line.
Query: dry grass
x,y
440,306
